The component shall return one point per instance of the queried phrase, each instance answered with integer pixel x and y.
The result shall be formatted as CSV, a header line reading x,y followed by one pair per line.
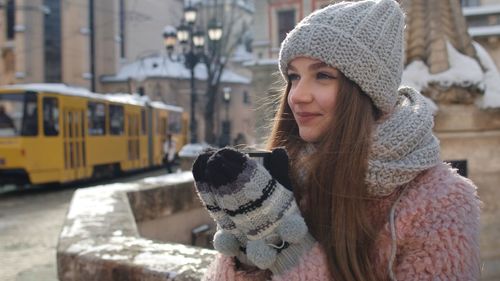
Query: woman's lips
x,y
305,117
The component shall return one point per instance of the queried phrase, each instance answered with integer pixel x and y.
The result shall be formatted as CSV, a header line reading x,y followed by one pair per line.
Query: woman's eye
x,y
323,75
293,77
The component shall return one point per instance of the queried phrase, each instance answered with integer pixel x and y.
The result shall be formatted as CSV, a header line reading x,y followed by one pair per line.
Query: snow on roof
x,y
162,66
269,61
159,104
127,98
477,31
241,54
247,4
464,71
481,10
141,100
54,88
64,89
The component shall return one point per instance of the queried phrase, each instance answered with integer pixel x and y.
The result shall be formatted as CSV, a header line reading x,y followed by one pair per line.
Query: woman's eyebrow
x,y
318,65
314,66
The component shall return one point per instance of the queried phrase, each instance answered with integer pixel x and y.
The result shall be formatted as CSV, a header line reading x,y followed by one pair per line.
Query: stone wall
x,y
468,133
100,239
169,214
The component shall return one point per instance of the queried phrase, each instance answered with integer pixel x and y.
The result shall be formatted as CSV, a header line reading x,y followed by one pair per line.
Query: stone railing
x,y
103,236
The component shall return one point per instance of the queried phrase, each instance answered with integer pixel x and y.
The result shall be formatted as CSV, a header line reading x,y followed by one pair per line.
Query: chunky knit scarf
x,y
403,144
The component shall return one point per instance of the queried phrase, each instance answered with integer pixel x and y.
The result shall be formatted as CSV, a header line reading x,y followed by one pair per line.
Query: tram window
x,y
50,116
116,120
174,122
30,114
96,115
143,121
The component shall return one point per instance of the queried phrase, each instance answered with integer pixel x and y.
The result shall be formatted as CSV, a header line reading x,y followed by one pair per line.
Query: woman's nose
x,y
301,93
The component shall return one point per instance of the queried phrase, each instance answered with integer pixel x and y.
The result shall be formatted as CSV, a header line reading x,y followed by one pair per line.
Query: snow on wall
x,y
491,98
464,71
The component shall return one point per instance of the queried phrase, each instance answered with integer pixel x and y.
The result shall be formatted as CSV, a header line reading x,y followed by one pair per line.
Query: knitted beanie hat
x,y
364,40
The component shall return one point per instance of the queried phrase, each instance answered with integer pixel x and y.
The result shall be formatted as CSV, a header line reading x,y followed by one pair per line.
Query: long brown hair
x,y
334,180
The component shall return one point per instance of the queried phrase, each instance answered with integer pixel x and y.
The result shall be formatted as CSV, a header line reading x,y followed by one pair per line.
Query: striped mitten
x,y
260,206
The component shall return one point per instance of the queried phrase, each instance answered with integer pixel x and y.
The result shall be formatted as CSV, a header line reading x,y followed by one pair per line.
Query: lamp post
x,y
192,41
226,124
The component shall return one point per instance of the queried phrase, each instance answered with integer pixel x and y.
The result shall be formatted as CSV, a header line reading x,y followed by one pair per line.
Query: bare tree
x,y
234,26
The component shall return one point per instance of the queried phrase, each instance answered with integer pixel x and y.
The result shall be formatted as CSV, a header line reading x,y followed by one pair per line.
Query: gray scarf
x,y
403,144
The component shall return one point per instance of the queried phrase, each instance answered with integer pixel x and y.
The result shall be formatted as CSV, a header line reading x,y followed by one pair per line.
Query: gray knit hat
x,y
364,40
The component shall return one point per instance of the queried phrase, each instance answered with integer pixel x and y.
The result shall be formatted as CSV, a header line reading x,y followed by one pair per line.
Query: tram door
x,y
74,143
133,143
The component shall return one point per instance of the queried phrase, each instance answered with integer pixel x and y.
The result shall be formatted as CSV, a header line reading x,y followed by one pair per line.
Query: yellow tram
x,y
55,133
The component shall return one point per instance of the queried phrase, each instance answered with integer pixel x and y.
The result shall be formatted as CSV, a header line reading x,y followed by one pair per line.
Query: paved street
x,y
30,222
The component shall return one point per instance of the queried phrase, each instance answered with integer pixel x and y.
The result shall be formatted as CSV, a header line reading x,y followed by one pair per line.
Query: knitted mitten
x,y
260,206
227,240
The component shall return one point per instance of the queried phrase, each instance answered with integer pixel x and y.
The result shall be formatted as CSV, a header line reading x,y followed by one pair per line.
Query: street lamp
x,y
227,99
226,124
192,41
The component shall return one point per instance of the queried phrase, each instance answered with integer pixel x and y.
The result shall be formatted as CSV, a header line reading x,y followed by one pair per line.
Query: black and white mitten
x,y
260,206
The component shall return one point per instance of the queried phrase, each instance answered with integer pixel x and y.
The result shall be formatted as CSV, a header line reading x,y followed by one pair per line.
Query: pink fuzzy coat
x,y
436,232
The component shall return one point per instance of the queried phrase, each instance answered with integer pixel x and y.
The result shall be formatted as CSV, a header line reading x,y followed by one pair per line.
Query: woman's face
x,y
313,93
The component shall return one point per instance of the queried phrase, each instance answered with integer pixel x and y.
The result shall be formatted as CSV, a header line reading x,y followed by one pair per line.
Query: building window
x,y
123,15
50,116
286,22
52,38
10,15
246,98
470,3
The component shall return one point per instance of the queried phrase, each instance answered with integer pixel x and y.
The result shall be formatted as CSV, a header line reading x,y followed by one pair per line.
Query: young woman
x,y
365,168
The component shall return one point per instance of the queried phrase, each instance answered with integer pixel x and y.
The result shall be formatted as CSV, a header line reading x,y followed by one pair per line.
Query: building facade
x,y
77,42
483,19
273,19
